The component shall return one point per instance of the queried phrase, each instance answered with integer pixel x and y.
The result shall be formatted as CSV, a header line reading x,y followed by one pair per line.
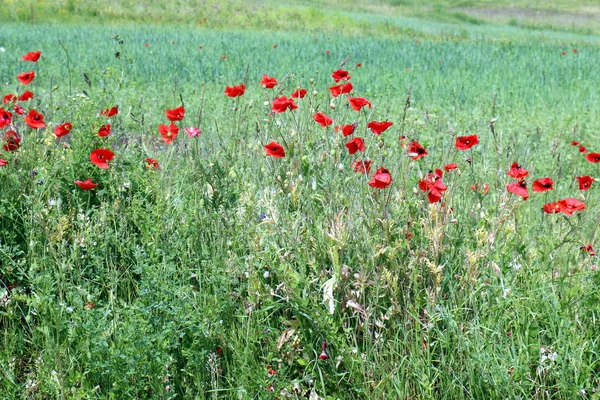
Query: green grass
x,y
188,280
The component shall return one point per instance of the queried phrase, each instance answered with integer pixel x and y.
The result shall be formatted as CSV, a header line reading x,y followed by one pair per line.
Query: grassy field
x,y
227,273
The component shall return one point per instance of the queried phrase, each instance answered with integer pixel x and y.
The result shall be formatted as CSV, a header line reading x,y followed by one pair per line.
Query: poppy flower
x,y
356,144
542,185
235,91
416,151
433,186
168,133
27,95
378,127
11,141
18,109
35,120
570,205
346,130
519,188
63,129
361,166
593,157
26,77
450,167
110,112
466,142
323,355
517,172
574,143
588,249
475,188
267,82
104,130
152,163
9,98
340,75
86,185
3,162
193,131
359,102
582,149
282,103
32,56
101,157
5,117
344,88
585,182
358,65
299,94
381,179
322,119
551,208
274,149
175,114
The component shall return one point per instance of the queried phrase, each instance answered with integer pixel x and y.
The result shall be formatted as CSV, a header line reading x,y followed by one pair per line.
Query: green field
x,y
221,273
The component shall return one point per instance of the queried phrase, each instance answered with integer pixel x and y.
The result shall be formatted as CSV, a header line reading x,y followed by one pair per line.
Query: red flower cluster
x,y
433,186
565,206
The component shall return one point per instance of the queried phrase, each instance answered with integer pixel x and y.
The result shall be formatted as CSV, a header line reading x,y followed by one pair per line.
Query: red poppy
x,y
575,51
35,120
235,91
340,75
274,149
356,144
193,131
517,172
574,143
359,102
110,112
378,127
5,117
3,162
563,53
570,205
593,157
519,188
322,119
466,142
346,130
582,149
358,65
585,182
11,141
18,109
104,130
551,208
416,151
175,114
152,163
9,98
299,94
344,88
362,166
86,185
168,133
222,58
450,167
588,249
101,157
282,103
27,95
32,56
267,82
323,355
63,129
381,179
433,186
542,185
26,77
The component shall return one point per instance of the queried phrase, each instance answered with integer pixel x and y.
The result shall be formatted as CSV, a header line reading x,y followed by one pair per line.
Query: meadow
x,y
253,256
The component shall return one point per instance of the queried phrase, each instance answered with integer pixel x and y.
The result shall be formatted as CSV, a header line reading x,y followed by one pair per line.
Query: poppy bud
x,y
323,356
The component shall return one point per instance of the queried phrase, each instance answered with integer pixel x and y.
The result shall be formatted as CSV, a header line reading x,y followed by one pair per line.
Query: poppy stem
x,y
68,66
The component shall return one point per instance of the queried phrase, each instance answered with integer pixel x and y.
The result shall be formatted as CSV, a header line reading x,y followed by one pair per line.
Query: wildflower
x,y
298,94
152,163
357,103
585,182
104,130
110,112
101,157
86,185
274,149
346,130
26,77
466,142
433,186
282,103
450,167
517,172
593,157
11,141
9,98
588,249
5,117
235,91
344,88
519,188
27,95
268,82
323,355
361,166
582,149
340,75
379,127
32,56
381,179
3,162
35,120
322,119
416,151
542,185
63,129
175,114
356,144
193,131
